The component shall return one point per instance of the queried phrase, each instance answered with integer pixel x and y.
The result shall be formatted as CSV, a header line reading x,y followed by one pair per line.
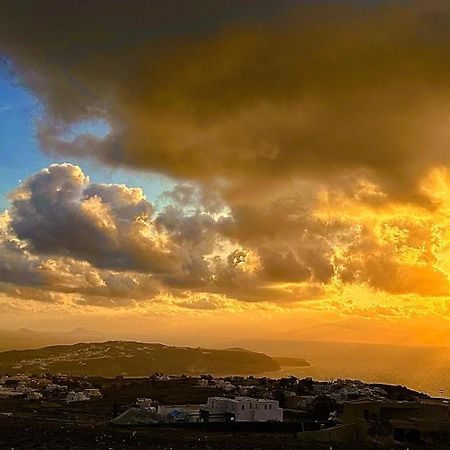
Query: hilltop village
x,y
160,411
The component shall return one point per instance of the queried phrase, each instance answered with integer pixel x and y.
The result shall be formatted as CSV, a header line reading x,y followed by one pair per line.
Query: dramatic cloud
x,y
106,244
242,94
56,212
66,234
309,141
25,274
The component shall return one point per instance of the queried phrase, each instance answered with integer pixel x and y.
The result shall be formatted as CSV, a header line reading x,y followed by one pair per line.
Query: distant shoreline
x,y
291,361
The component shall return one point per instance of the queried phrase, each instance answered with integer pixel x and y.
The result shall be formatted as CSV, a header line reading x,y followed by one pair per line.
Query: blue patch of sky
x,y
21,156
99,128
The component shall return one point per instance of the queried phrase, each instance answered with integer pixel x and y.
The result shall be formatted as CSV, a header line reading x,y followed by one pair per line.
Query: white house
x,y
23,387
93,393
225,385
73,396
242,409
35,395
55,388
146,403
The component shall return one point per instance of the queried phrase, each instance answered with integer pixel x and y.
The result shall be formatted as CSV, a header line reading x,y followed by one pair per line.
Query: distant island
x,y
130,358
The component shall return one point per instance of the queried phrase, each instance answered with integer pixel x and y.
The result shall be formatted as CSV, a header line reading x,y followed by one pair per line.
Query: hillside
x,y
132,359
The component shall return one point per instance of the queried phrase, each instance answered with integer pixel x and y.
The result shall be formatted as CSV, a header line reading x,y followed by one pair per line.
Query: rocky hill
x,y
127,358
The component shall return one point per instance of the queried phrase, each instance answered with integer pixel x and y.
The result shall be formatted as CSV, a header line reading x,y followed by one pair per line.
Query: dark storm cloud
x,y
57,212
45,278
65,234
107,245
230,93
258,108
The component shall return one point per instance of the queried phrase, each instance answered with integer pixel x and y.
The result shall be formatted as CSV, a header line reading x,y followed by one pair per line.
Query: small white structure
x,y
55,388
146,403
243,409
162,377
227,386
23,388
93,393
73,396
35,395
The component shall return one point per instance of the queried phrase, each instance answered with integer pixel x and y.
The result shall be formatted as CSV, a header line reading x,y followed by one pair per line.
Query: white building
x,y
73,396
93,393
55,388
146,403
225,385
243,409
35,395
23,387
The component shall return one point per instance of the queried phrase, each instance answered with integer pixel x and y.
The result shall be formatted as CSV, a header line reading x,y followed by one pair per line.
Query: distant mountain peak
x,y
26,331
81,330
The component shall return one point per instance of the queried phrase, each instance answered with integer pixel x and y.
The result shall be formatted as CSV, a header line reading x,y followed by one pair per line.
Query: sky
x,y
20,151
273,170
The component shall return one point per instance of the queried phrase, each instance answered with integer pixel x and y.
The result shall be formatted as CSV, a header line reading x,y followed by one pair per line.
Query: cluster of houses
x,y
249,399
217,409
358,411
294,393
389,422
83,395
45,387
348,410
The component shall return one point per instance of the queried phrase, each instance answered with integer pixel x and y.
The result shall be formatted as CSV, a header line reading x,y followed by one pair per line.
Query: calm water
x,y
426,369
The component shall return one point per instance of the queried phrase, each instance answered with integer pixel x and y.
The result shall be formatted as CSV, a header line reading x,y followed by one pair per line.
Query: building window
x,y
251,406
270,406
242,406
265,406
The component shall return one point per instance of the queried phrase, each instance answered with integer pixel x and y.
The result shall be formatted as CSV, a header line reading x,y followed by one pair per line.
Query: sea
x,y
425,369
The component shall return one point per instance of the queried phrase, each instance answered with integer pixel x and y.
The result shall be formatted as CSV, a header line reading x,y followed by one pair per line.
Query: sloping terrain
x,y
132,359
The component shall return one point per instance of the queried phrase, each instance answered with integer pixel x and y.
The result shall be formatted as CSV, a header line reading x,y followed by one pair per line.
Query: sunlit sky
x,y
21,154
263,169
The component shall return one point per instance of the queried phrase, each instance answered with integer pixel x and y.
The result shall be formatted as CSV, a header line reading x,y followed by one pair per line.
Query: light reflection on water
x,y
426,369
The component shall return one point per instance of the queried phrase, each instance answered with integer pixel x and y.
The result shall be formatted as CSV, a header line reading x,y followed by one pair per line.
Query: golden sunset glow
x,y
303,152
